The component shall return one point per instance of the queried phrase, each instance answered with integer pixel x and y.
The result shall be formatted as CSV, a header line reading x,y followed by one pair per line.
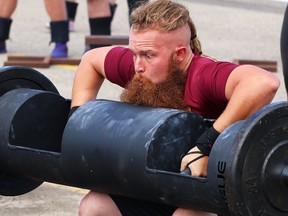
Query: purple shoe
x,y
3,47
60,50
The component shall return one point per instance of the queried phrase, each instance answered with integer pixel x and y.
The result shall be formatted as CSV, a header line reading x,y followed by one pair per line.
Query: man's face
x,y
158,81
152,52
166,94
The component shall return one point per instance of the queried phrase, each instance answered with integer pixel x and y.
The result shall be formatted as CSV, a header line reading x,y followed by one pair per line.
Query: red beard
x,y
167,94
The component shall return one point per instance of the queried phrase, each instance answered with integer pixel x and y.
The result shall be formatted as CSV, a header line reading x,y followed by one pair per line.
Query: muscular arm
x,y
248,89
89,76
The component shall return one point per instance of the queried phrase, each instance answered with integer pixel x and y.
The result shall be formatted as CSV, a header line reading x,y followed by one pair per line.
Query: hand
x,y
196,160
199,166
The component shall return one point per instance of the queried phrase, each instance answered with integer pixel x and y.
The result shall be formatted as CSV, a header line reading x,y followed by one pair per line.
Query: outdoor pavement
x,y
228,30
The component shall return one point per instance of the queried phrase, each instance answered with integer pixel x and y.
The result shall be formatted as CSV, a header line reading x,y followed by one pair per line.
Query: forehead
x,y
152,39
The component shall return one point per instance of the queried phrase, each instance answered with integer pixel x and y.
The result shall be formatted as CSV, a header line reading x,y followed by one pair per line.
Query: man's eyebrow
x,y
147,51
143,51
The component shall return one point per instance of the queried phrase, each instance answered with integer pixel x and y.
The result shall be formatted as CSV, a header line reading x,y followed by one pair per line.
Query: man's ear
x,y
180,53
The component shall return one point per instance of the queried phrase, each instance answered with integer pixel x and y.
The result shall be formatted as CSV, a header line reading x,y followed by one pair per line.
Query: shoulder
x,y
119,52
208,66
119,66
119,57
250,71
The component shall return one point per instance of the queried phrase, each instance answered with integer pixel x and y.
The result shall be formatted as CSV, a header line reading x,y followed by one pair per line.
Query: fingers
x,y
186,171
191,155
199,167
194,163
184,162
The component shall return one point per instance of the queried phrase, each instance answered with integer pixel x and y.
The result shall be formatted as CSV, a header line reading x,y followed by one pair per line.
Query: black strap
x,y
195,159
193,152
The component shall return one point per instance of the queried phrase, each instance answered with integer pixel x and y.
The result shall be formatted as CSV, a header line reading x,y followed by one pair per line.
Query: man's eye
x,y
148,55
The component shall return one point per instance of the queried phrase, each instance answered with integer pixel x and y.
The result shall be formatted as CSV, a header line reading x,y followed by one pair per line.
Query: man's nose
x,y
138,66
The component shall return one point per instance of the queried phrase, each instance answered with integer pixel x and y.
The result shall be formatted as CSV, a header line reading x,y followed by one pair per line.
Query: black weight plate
x,y
11,185
260,158
275,185
12,77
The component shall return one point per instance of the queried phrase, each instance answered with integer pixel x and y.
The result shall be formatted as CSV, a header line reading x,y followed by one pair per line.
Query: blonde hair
x,y
164,16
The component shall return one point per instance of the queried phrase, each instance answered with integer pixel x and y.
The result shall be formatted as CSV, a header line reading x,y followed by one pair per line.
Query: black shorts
x,y
134,207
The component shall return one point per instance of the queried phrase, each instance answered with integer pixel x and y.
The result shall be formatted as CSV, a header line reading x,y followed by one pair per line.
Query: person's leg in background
x,y
71,7
132,4
100,13
6,10
284,48
59,23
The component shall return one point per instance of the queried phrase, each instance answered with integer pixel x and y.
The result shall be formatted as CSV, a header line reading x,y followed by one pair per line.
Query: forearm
x,y
82,93
248,96
89,76
87,83
236,111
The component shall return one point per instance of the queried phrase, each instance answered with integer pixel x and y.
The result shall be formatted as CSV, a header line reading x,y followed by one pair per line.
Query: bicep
x,y
246,75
